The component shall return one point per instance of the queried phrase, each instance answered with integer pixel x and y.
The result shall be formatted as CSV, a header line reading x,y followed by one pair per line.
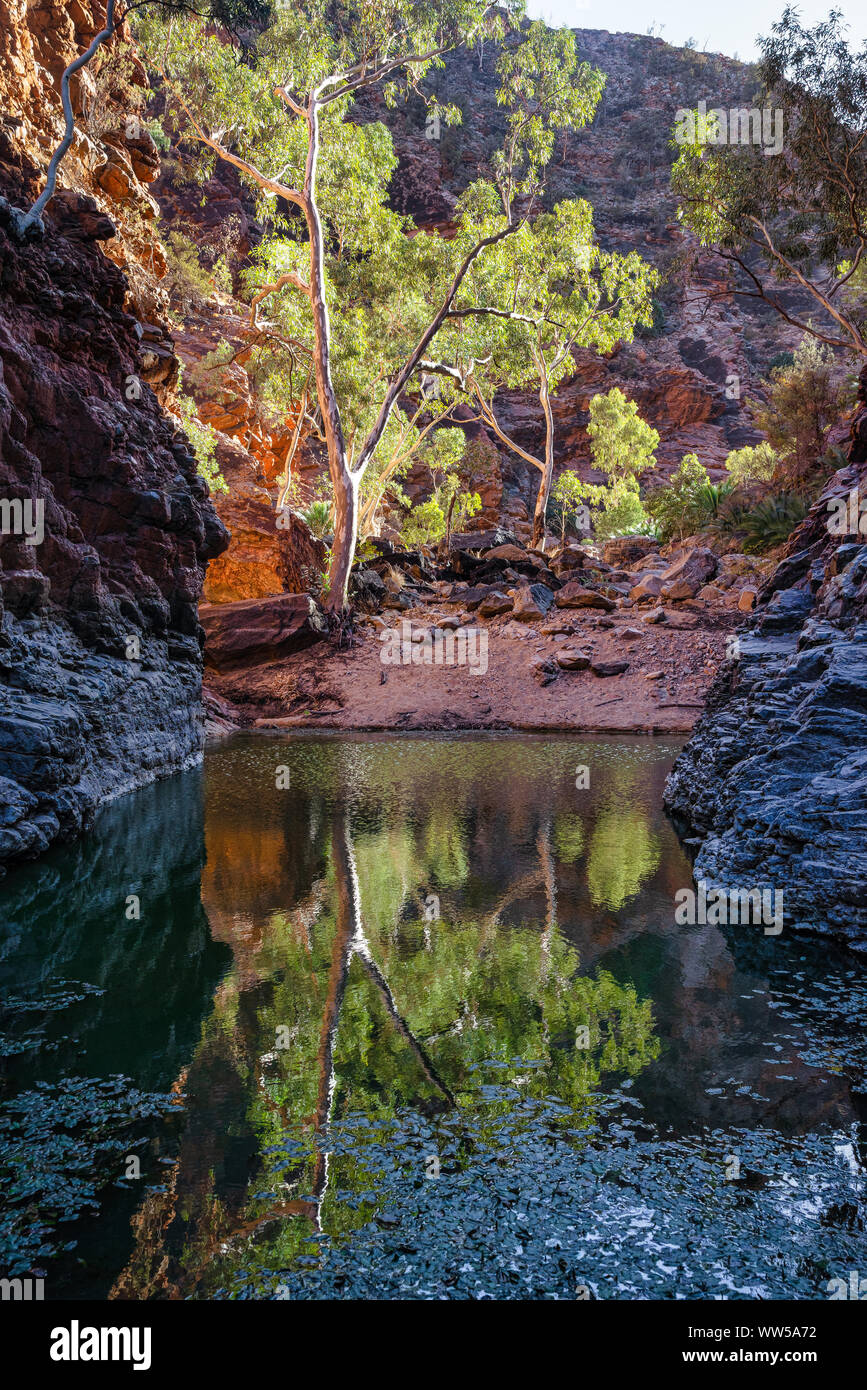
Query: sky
x,y
729,28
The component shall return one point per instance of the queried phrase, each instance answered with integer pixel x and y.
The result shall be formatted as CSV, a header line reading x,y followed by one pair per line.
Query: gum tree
x,y
792,220
536,300
280,114
379,281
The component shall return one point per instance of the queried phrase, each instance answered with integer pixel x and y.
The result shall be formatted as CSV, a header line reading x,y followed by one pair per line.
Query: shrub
x,y
188,283
752,464
804,401
676,508
424,524
203,442
622,444
318,519
772,521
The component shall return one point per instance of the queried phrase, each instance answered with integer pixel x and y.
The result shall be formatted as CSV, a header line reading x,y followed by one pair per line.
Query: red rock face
x,y
100,651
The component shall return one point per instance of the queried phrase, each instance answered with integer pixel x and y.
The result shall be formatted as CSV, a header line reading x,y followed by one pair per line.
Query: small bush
x,y
318,519
752,464
203,442
772,521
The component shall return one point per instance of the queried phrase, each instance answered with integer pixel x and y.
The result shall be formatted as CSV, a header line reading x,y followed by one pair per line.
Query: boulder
x,y
653,561
746,600
493,604
480,541
510,554
568,659
368,587
575,595
732,567
688,574
786,611
257,630
545,670
649,586
628,550
609,668
532,602
569,557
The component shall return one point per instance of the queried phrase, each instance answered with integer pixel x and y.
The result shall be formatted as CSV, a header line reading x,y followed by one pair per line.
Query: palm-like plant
x,y
772,521
711,497
318,518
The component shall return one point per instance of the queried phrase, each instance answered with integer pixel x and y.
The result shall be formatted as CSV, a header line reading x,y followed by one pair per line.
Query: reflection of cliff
x,y
65,919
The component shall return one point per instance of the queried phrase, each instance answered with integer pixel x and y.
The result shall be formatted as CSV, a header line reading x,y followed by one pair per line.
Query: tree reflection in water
x,y
321,894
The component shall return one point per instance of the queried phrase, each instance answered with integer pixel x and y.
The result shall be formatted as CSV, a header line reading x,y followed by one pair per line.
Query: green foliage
x,y
804,401
424,524
711,497
448,510
318,518
677,508
187,281
772,521
623,447
538,287
780,359
203,441
158,135
791,206
552,290
622,444
656,327
621,511
752,464
569,500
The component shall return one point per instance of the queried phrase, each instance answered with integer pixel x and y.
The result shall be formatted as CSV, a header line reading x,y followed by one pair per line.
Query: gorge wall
x,y
772,787
100,645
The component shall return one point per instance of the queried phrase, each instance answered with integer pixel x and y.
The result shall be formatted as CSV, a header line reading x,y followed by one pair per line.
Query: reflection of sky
x,y
730,28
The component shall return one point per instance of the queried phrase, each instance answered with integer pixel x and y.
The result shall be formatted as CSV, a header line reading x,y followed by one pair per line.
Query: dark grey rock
x,y
773,782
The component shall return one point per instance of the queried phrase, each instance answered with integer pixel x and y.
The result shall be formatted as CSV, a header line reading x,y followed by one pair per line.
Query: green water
x,y
411,1017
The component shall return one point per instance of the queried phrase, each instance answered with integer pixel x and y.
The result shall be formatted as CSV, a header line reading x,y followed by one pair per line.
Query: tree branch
x,y
33,218
288,277
427,337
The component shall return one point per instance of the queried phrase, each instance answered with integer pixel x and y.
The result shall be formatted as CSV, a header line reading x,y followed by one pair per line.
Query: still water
x,y
411,1017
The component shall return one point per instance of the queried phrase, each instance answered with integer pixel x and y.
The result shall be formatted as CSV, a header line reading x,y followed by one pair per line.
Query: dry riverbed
x,y
670,663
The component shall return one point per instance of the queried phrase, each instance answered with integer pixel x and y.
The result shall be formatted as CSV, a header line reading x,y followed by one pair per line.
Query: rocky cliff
x,y
772,786
107,527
